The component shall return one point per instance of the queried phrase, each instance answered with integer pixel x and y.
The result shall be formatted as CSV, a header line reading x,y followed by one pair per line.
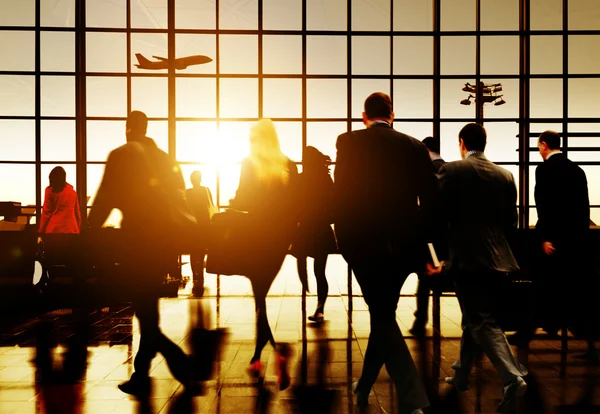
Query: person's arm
x,y
428,193
47,210
511,215
105,197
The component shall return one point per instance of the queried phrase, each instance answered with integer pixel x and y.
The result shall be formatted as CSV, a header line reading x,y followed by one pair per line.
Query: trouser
x,y
319,266
264,335
197,264
381,278
422,294
152,340
478,299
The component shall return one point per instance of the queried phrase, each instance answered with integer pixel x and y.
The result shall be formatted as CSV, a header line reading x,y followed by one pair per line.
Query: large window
x,y
68,78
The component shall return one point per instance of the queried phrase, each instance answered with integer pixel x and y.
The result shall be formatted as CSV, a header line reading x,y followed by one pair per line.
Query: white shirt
x,y
471,153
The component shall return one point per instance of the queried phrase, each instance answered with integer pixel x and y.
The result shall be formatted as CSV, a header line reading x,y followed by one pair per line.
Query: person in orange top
x,y
60,213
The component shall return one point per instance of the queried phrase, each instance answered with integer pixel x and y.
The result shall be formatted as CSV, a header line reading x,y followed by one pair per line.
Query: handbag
x,y
230,244
205,343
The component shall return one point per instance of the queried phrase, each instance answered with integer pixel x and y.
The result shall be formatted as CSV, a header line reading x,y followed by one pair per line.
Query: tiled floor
x,y
337,348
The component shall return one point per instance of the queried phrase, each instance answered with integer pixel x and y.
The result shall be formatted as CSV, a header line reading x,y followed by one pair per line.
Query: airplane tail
x,y
141,59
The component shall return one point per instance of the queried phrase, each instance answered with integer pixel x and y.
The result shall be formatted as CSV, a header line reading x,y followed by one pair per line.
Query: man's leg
x,y
381,281
421,313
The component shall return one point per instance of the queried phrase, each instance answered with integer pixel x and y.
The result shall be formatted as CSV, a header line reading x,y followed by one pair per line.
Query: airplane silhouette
x,y
163,63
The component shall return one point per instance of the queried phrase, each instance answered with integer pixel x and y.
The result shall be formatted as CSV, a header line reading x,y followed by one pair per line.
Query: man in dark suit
x,y
139,179
563,226
384,188
479,200
424,284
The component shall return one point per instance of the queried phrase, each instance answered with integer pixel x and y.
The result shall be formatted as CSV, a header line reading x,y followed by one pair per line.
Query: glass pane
x,y
94,177
282,105
449,140
323,136
450,97
458,15
196,44
282,14
208,179
458,55
581,59
499,55
546,14
413,55
378,51
579,156
282,54
326,55
500,15
150,95
196,97
149,14
546,54
362,88
197,142
413,98
372,15
21,185
106,13
58,96
502,141
106,96
238,14
584,15
17,140
106,52
58,51
234,142
20,58
418,130
58,13
195,14
413,15
18,95
58,140
326,98
239,98
583,98
592,173
290,139
546,98
326,15
230,178
238,54
17,13
148,45
103,137
70,169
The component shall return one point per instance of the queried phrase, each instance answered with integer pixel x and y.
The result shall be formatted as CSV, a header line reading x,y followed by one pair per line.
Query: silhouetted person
x,y
425,281
315,236
201,203
142,181
60,212
563,227
381,176
267,187
479,200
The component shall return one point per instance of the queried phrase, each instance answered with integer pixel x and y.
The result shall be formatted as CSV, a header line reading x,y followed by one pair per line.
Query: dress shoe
x,y
510,392
519,339
255,369
362,398
460,384
417,330
137,386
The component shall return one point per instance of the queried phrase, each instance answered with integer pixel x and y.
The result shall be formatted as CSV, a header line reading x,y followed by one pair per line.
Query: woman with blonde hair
x,y
267,192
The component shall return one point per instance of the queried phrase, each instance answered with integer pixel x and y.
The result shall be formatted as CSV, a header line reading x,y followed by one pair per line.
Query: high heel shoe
x,y
255,369
318,317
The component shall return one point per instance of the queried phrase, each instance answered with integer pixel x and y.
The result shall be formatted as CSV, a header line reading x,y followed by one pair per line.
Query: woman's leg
x,y
260,287
322,285
302,271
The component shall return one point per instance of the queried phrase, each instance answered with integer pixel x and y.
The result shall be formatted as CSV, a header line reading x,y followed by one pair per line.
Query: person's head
x,y
136,125
549,141
58,179
314,160
196,178
378,107
265,152
472,137
432,144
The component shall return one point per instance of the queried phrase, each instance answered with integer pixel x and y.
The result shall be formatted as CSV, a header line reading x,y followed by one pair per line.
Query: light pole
x,y
481,94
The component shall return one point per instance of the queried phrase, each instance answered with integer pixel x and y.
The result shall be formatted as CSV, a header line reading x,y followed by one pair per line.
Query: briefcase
x,y
517,304
229,247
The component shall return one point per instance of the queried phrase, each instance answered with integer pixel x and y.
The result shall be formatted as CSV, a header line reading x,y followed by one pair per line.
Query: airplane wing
x,y
160,58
